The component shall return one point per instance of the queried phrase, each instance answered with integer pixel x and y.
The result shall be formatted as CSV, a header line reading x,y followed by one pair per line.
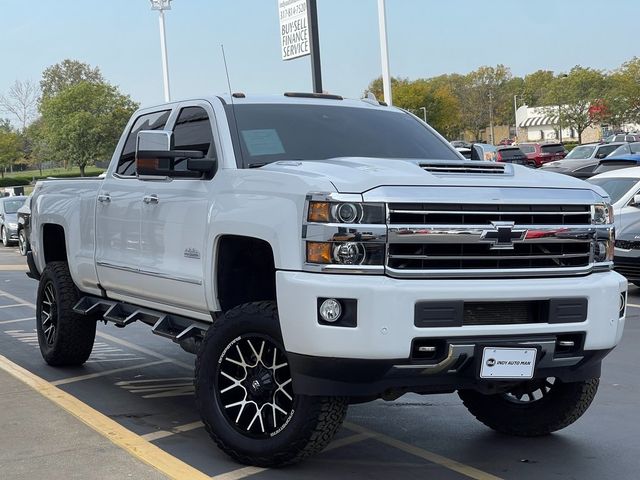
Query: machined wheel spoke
x,y
253,391
258,416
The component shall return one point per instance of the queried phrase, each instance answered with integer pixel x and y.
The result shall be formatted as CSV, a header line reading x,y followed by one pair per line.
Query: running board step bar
x,y
177,328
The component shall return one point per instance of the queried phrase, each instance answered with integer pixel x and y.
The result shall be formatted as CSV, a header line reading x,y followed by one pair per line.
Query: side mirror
x,y
636,201
155,156
601,155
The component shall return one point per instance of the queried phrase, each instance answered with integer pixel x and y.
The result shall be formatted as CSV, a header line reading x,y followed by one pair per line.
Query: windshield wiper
x,y
257,164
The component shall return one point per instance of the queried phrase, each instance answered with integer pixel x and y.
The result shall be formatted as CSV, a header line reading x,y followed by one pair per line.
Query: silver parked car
x,y
9,219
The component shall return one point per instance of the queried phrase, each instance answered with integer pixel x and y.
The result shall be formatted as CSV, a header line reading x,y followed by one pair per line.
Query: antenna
x,y
233,106
226,69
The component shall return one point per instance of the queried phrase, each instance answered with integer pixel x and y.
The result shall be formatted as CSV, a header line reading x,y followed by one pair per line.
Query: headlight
x,y
346,212
345,253
602,214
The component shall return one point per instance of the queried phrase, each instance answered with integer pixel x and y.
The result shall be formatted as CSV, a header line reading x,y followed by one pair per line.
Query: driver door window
x,y
192,131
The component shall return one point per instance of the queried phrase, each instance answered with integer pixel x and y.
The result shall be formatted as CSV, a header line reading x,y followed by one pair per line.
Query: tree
x,y
65,74
437,97
574,94
36,146
623,94
10,149
21,101
84,121
536,87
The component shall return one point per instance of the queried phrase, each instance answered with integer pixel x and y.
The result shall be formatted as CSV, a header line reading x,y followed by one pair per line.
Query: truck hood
x,y
359,175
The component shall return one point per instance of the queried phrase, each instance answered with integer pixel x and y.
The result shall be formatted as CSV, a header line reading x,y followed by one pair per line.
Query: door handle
x,y
104,198
151,199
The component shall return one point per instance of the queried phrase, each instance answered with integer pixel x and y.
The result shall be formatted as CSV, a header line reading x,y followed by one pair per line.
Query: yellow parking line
x,y
633,305
103,373
125,439
445,462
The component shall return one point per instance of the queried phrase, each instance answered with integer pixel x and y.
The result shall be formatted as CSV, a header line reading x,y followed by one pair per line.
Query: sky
x,y
426,38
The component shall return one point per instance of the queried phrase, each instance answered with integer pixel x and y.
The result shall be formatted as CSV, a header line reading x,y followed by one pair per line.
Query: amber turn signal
x,y
319,252
318,212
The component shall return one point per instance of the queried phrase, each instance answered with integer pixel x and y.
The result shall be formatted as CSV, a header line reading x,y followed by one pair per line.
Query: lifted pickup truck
x,y
315,251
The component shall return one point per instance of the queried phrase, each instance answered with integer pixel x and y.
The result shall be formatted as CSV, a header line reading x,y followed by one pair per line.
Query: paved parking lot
x,y
144,383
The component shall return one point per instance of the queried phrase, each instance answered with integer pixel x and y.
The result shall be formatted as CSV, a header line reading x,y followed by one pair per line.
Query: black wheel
x,y
5,238
65,338
535,408
23,243
245,395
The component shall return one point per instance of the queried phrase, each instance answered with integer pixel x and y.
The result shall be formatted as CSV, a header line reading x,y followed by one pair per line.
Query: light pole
x,y
515,113
384,52
560,77
491,116
161,6
424,113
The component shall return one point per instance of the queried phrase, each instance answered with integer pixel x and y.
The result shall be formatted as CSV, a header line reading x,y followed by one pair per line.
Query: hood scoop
x,y
466,166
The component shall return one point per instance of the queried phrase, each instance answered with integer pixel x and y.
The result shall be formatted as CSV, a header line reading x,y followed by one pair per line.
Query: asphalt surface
x,y
144,383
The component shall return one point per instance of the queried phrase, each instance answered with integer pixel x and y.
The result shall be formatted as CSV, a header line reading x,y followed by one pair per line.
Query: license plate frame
x,y
508,363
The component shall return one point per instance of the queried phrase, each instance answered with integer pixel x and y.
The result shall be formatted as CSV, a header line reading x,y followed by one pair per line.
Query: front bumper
x,y
385,326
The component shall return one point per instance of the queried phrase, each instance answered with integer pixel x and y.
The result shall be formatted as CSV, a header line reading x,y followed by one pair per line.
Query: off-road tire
x,y
23,243
4,236
74,334
564,404
312,423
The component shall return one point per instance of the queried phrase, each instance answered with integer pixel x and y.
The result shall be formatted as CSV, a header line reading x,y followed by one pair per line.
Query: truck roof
x,y
286,98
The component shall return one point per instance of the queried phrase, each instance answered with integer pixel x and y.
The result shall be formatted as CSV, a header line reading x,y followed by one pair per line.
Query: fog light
x,y
330,310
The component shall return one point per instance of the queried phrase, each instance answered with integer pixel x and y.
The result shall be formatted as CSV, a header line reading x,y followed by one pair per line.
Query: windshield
x,y
583,151
272,132
12,206
615,187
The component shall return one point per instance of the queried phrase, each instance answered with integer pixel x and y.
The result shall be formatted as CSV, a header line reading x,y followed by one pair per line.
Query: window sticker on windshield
x,y
262,142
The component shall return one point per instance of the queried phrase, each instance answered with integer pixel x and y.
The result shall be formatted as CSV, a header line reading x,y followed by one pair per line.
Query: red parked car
x,y
541,153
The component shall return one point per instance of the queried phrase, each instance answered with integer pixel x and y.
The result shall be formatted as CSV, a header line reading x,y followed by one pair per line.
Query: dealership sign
x,y
294,29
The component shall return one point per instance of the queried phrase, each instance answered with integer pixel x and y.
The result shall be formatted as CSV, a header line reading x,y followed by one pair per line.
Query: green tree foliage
x,y
435,95
622,99
65,74
535,88
84,121
10,149
574,94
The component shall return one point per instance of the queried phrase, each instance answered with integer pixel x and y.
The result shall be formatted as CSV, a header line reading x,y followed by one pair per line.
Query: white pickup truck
x,y
315,251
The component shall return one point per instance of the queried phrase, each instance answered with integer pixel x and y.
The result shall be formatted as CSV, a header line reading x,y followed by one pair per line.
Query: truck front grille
x,y
428,239
468,214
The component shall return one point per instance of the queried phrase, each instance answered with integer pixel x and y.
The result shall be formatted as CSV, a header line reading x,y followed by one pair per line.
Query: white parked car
x,y
623,187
